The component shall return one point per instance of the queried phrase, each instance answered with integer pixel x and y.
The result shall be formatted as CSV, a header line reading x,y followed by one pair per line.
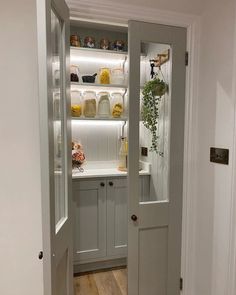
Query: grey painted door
x,y
54,87
117,217
89,199
154,226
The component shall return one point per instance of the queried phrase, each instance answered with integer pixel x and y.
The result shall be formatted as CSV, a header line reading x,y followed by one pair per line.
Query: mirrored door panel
x,y
154,127
58,121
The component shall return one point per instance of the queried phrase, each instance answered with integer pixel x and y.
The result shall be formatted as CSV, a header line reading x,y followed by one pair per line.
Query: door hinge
x,y
181,282
186,58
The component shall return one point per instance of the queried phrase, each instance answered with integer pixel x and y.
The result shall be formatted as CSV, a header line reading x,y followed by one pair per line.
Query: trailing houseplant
x,y
152,92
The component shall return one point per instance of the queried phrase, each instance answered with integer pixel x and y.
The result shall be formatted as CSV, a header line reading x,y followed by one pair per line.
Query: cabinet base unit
x,y
101,221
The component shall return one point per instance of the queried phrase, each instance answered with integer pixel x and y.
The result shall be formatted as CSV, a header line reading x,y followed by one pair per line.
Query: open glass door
x,y
53,39
156,140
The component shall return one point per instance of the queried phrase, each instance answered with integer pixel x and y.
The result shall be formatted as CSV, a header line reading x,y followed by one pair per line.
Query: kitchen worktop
x,y
99,169
109,172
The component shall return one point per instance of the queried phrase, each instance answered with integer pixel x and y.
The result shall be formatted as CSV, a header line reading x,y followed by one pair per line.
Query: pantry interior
x,y
100,125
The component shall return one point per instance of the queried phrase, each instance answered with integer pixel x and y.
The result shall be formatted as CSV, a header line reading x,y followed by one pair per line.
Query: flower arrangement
x,y
78,156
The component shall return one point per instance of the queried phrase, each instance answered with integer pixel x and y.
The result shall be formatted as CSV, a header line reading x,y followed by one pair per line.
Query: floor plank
x,y
121,278
112,282
106,283
85,285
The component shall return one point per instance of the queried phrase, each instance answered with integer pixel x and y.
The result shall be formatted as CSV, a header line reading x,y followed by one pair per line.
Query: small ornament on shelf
x,y
89,42
78,156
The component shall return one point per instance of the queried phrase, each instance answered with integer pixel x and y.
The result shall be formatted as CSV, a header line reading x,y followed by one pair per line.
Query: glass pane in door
x,y
154,129
58,121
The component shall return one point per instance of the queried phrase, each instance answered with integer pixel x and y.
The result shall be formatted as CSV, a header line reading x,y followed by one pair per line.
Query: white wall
x,y
20,199
216,128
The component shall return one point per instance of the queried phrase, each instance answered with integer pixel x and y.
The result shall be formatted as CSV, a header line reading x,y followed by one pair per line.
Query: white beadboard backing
x,y
159,164
100,142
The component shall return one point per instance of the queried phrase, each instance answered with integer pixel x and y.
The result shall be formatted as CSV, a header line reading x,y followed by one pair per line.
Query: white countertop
x,y
99,172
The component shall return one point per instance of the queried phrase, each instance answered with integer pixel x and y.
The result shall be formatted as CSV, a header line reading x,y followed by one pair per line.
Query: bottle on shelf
x,y
123,154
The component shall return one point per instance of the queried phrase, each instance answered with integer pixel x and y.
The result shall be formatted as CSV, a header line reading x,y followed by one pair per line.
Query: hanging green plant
x,y
152,92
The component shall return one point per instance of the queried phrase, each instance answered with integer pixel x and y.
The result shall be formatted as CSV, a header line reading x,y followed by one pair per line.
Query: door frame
x,y
119,14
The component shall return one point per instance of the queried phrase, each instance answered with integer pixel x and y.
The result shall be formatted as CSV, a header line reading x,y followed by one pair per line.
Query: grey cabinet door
x,y
89,220
117,217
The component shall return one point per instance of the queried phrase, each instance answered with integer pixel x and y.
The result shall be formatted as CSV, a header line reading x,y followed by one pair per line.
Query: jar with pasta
x,y
76,103
105,76
117,105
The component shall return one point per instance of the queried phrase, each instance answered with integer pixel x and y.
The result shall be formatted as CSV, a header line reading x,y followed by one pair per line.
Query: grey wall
x,y
20,196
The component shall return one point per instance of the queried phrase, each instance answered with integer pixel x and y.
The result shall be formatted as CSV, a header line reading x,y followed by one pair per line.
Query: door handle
x,y
134,217
110,183
102,184
40,255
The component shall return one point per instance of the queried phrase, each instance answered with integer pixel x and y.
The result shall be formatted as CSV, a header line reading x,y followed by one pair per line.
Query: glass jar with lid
x,y
89,104
76,103
117,105
104,105
117,76
105,76
74,73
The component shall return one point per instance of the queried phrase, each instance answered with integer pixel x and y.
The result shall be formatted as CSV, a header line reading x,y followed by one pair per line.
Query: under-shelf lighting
x,y
93,59
96,122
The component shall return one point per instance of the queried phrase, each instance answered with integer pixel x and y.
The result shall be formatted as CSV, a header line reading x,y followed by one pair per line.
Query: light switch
x,y
220,156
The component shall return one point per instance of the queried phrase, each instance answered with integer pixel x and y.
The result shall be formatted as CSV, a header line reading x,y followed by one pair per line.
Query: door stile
x,y
133,162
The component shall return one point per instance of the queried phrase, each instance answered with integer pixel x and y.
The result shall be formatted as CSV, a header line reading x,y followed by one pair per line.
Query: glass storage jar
x,y
74,73
105,76
89,104
103,104
117,105
117,76
76,103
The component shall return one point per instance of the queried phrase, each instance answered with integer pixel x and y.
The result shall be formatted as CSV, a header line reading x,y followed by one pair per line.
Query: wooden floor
x,y
112,282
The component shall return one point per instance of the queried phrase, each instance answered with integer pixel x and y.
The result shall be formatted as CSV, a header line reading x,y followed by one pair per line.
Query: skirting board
x,y
79,268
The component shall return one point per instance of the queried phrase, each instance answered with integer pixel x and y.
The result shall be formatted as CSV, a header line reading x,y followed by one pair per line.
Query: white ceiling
x,y
180,6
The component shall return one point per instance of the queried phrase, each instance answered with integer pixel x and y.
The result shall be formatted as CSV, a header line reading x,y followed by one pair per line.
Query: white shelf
x,y
98,119
98,51
111,87
84,51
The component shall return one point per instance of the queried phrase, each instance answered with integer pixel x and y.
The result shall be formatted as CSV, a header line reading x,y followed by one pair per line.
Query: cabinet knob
x,y
134,217
110,183
102,184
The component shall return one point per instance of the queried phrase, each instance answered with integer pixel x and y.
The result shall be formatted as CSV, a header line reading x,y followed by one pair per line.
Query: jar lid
x,y
75,91
90,92
116,93
103,93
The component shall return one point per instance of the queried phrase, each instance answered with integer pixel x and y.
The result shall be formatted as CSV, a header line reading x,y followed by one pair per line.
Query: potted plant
x,y
152,92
